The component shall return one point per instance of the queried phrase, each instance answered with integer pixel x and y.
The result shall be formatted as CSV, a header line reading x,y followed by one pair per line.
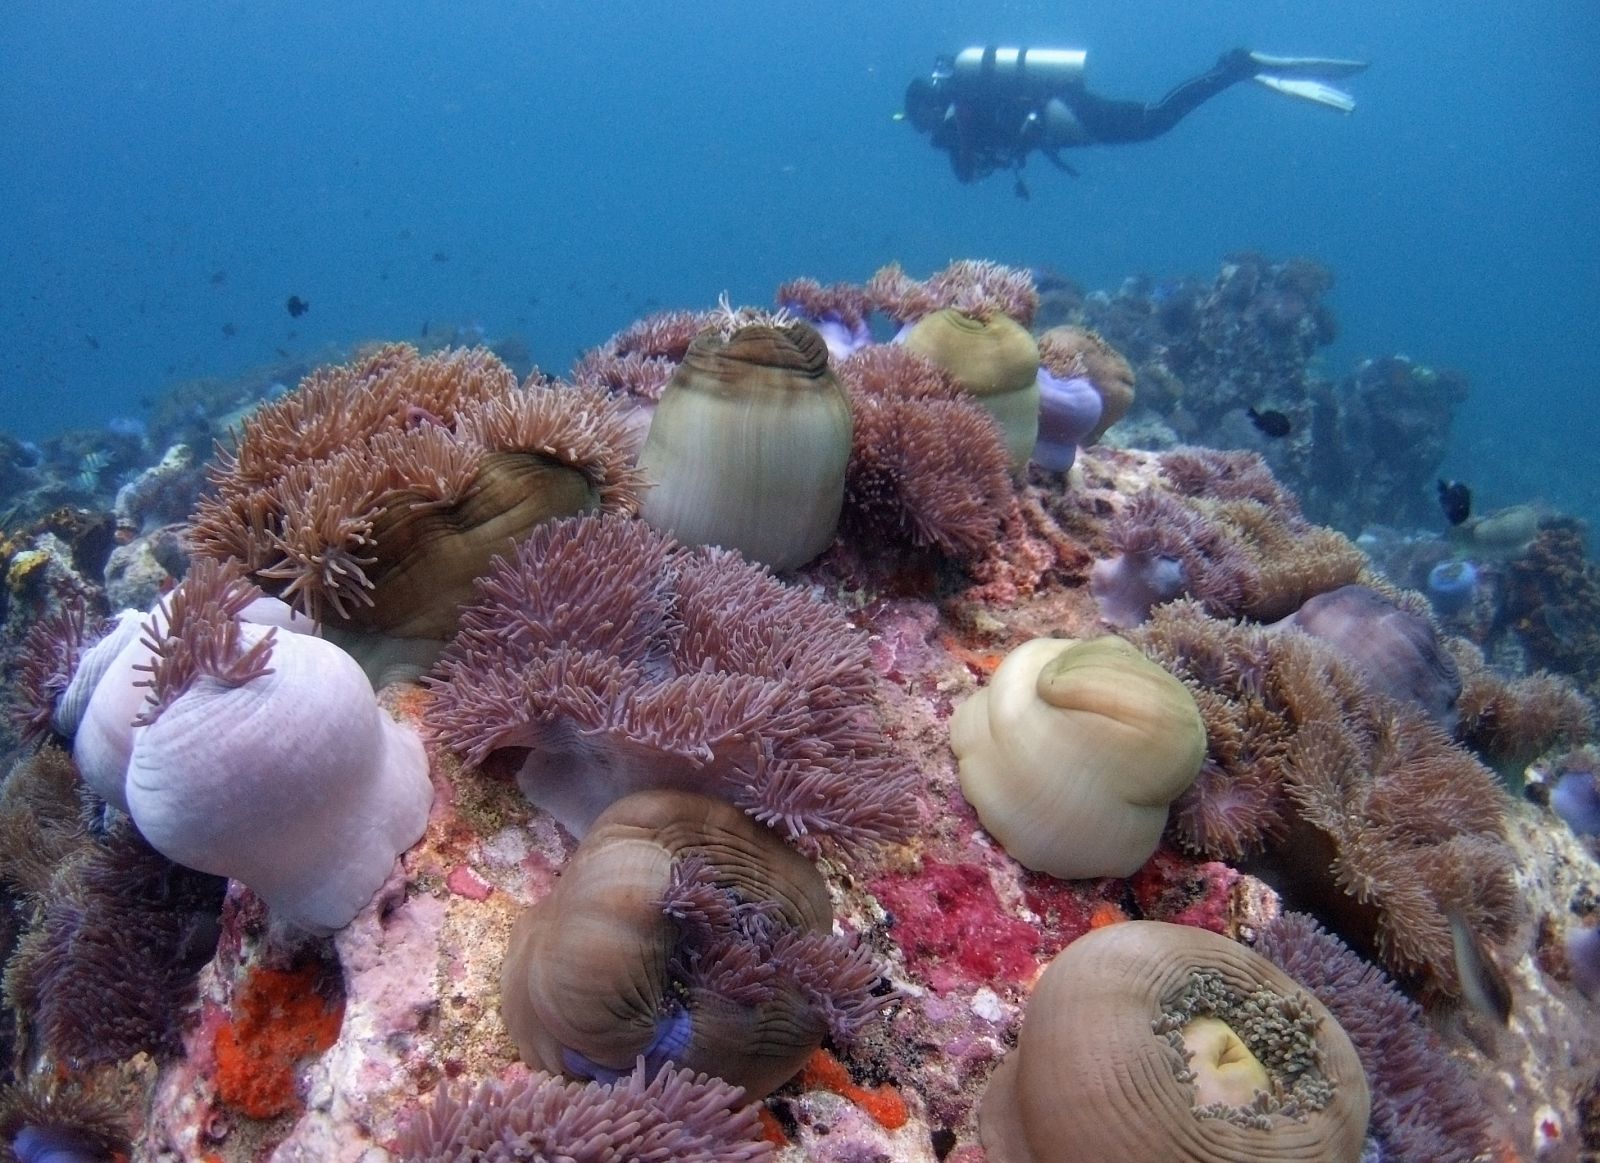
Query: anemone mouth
x,y
780,344
1277,1031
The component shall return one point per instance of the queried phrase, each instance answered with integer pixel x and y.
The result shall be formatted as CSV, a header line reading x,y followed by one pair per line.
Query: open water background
x,y
171,171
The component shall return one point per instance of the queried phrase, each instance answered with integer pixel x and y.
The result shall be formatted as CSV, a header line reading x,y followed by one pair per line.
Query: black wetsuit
x,y
985,129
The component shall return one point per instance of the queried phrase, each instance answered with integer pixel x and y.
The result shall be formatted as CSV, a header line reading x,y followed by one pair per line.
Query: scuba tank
x,y
1018,72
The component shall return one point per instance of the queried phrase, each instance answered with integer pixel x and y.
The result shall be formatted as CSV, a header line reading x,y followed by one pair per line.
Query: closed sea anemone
x,y
1068,352
1069,409
1073,752
683,931
673,1115
266,758
604,658
748,445
1145,1040
372,495
995,361
1397,650
929,465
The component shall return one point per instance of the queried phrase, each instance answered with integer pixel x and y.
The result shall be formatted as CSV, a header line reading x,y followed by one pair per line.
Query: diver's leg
x,y
1109,122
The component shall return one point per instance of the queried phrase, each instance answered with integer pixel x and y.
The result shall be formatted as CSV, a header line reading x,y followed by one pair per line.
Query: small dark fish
x,y
296,306
92,342
218,278
1020,189
1271,423
425,328
229,330
1456,501
440,256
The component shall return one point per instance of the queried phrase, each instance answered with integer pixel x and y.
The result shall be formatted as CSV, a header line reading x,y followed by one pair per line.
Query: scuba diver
x,y
991,107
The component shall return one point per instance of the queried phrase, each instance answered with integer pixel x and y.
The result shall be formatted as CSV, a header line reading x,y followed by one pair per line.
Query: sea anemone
x,y
1069,410
1069,352
1357,807
1510,722
1425,1108
1244,1066
975,287
995,361
839,313
683,931
748,444
613,660
675,1114
1226,534
1398,651
47,1123
266,758
109,969
928,464
1072,753
374,494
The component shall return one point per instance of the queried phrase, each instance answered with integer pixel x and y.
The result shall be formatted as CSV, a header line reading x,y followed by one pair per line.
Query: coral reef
x,y
822,705
1363,450
614,660
1245,1065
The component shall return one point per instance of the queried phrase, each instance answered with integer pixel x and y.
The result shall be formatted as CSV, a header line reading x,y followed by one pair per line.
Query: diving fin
x,y
1326,67
1314,91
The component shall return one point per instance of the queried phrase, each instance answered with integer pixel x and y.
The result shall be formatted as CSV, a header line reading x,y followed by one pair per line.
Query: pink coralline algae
x,y
948,922
615,660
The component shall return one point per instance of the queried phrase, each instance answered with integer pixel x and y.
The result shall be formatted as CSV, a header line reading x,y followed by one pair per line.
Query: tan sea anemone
x,y
748,444
1068,351
1073,751
1150,1041
994,360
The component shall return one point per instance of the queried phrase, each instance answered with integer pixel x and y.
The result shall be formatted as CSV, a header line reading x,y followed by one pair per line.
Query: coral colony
x,y
805,733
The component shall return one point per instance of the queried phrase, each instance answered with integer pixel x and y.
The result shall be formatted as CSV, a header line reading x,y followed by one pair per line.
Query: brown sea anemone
x,y
1145,1040
610,659
928,465
1510,722
1076,351
376,492
975,287
675,1114
51,1122
683,931
748,444
1073,752
1357,807
1425,1107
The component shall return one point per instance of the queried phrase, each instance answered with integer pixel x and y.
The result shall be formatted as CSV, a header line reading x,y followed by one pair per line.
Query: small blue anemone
x,y
1451,586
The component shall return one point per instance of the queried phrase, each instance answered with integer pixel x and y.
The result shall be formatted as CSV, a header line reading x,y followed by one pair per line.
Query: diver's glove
x,y
1303,77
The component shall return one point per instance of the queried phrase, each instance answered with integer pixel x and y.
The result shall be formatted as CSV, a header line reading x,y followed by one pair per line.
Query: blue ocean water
x,y
171,172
